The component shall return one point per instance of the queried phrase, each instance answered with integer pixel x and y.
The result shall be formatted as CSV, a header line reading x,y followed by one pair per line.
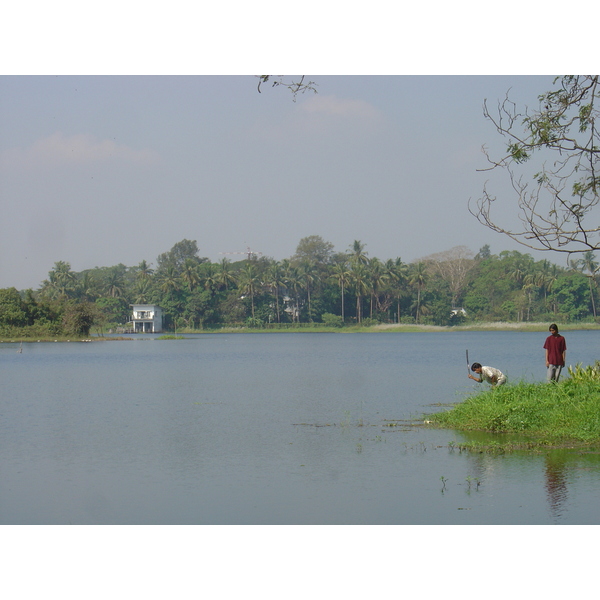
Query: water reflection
x,y
556,483
561,472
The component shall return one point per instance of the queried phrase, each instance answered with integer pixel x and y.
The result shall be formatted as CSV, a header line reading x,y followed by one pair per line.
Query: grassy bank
x,y
57,338
390,328
541,414
16,334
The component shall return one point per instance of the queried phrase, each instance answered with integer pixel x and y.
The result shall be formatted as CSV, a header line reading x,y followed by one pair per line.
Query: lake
x,y
280,428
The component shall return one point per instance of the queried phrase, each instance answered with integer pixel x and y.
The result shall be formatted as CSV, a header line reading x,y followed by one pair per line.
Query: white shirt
x,y
490,373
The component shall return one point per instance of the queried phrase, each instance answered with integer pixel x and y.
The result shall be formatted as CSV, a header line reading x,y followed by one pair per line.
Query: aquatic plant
x,y
581,374
545,414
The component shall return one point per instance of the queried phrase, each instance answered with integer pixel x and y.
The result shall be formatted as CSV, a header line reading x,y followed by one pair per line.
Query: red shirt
x,y
556,345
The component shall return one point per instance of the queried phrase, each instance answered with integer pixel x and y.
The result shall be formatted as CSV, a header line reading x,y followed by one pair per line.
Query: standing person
x,y
490,374
556,352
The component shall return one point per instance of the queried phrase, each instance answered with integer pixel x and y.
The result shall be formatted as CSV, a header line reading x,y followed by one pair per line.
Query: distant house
x,y
147,318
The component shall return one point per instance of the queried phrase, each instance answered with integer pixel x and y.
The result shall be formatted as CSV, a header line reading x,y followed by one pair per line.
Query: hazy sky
x,y
101,170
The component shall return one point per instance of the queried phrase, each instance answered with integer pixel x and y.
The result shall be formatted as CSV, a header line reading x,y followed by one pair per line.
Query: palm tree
x,y
418,279
589,264
142,291
529,284
169,280
211,280
224,276
397,274
357,253
248,282
550,281
377,279
342,276
189,273
293,283
144,271
307,278
87,287
275,280
114,283
542,277
360,281
522,274
60,282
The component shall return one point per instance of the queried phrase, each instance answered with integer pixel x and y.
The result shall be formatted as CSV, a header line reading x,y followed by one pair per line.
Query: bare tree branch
x,y
296,86
558,206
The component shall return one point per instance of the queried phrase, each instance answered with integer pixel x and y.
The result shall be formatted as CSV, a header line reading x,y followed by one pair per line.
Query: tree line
x,y
315,285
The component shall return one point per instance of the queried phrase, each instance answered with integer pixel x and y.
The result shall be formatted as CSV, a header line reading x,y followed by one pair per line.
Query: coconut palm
x,y
589,264
360,282
418,279
293,283
169,280
60,282
357,253
114,282
224,276
87,287
144,271
529,285
377,279
142,291
189,273
275,280
249,282
307,277
342,276
397,274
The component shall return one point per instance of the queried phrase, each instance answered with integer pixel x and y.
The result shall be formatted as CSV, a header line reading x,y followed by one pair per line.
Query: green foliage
x,y
177,256
313,250
315,287
580,374
331,320
562,412
13,311
518,153
571,293
115,310
78,317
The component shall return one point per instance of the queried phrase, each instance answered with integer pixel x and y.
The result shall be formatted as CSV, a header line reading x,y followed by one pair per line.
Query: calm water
x,y
273,429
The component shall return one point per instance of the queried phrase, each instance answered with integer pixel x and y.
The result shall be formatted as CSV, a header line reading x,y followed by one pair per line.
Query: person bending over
x,y
490,374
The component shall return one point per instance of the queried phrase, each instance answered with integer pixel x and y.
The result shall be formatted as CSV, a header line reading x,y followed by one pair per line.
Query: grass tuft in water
x,y
548,413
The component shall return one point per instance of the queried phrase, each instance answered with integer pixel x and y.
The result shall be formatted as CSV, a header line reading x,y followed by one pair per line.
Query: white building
x,y
147,318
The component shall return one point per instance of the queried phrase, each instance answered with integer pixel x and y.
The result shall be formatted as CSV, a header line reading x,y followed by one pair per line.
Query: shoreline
x,y
316,328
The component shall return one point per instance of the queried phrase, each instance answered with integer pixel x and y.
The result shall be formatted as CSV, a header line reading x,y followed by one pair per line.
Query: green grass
x,y
542,413
388,328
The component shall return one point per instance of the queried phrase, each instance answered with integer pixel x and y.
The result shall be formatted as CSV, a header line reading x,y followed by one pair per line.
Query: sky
x,y
97,170
120,137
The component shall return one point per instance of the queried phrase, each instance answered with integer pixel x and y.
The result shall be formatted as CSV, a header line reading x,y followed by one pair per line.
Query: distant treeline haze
x,y
315,285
